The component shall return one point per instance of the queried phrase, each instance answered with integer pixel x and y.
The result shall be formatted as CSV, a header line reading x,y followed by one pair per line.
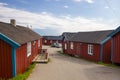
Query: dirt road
x,y
63,67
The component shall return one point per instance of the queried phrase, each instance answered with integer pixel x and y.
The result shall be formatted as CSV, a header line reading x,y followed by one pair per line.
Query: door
x,y
79,49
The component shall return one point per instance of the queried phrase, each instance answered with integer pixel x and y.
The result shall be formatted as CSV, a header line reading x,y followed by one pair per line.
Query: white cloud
x,y
106,7
3,4
66,6
45,20
88,1
77,0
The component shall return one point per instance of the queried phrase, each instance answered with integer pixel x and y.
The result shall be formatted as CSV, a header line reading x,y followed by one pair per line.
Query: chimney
x,y
13,22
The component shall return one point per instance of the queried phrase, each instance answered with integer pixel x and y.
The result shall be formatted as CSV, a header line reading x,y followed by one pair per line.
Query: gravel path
x,y
63,67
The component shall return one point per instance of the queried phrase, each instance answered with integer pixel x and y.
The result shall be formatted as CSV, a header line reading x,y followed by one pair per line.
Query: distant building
x,y
18,47
65,40
48,40
89,45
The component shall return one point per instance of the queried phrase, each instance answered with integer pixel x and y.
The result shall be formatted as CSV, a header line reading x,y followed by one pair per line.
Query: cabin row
x,y
96,46
18,47
48,40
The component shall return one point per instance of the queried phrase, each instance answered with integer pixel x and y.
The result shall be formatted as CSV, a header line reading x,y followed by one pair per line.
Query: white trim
x,y
71,45
90,49
28,49
45,41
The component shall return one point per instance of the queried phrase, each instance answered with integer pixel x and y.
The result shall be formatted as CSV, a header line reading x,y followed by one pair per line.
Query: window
x,y
71,45
34,43
38,43
45,41
65,46
90,49
28,49
51,41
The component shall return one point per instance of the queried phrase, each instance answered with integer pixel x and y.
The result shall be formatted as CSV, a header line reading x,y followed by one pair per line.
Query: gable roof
x,y
68,35
91,37
115,32
53,37
17,33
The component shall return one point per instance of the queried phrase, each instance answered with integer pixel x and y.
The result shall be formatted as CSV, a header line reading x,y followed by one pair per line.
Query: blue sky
x,y
52,17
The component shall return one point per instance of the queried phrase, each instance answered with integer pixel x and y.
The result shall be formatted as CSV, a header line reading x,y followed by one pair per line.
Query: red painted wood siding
x,y
67,46
5,60
40,48
22,61
96,52
116,50
48,42
78,48
81,49
69,50
107,52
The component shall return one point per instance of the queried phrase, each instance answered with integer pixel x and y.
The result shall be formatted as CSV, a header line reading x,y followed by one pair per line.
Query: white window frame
x,y
39,43
90,49
45,41
71,45
28,49
65,45
34,43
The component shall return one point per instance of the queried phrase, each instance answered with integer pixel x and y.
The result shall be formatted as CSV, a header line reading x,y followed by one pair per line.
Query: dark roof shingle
x,y
91,37
68,35
53,37
17,33
115,32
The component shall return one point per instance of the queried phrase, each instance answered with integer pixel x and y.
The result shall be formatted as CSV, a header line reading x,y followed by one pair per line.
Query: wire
x,y
112,10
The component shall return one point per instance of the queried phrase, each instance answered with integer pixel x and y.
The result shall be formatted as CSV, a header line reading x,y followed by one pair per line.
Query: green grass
x,y
49,60
61,53
109,65
25,75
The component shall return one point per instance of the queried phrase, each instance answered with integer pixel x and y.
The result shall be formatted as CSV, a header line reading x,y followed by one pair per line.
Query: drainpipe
x,y
112,50
13,62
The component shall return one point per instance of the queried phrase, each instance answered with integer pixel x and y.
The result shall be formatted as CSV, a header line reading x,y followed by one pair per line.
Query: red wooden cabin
x,y
18,47
115,57
65,41
48,40
89,45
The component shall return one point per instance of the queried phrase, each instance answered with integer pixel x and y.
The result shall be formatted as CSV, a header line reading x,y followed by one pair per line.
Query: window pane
x,y
28,49
90,49
71,45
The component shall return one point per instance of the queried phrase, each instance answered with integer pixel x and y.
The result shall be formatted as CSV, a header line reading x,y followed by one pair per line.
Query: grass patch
x,y
62,53
25,75
70,55
49,60
109,65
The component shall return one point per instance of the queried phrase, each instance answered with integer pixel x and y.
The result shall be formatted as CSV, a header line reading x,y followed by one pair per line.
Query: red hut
x,y
89,45
65,41
115,57
48,40
18,46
